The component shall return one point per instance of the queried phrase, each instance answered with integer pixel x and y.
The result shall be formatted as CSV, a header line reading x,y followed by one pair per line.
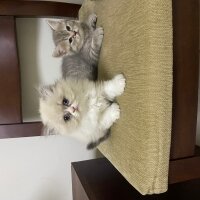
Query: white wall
x,y
37,167
37,65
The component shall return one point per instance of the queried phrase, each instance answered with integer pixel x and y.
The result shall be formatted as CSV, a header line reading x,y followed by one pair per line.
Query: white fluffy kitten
x,y
82,108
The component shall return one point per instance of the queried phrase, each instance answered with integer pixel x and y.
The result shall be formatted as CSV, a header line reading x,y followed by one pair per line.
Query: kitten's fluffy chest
x,y
90,122
96,105
96,101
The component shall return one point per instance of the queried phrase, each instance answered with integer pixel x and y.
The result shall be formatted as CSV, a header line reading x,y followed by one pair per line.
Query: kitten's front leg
x,y
98,37
114,87
96,43
111,114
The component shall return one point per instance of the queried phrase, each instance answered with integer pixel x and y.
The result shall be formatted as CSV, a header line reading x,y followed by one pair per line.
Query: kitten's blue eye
x,y
65,102
70,40
67,117
68,28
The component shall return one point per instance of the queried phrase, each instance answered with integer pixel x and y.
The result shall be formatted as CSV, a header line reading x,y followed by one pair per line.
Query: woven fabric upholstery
x,y
138,43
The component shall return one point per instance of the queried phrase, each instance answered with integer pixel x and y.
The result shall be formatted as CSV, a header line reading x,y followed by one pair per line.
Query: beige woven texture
x,y
138,43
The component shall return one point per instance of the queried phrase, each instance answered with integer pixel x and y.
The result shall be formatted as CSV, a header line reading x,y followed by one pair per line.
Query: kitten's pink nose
x,y
74,109
74,33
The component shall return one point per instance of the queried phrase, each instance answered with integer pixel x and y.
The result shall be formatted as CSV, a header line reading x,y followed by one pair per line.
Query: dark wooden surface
x,y
185,85
20,130
185,169
98,180
38,8
77,189
10,95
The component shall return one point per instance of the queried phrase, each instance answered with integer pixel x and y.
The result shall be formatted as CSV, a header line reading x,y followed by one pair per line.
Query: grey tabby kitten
x,y
79,44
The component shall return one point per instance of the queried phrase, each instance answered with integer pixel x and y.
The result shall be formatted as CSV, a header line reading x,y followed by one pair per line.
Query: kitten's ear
x,y
45,91
54,24
60,50
48,131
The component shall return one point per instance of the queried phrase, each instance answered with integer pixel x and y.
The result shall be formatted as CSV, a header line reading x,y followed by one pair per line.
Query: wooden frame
x,y
185,161
185,72
185,158
38,8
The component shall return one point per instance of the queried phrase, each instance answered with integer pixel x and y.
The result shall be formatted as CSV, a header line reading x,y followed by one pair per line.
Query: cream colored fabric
x,y
138,42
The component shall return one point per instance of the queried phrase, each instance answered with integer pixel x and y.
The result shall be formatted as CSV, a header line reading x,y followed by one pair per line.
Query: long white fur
x,y
95,114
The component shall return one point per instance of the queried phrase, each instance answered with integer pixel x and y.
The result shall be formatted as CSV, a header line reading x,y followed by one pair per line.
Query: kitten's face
x,y
61,108
68,36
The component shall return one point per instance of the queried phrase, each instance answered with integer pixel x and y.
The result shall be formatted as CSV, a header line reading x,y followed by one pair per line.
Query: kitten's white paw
x,y
114,112
120,83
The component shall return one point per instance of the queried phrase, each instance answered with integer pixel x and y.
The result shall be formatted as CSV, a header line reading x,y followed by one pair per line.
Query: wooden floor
x,y
98,180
